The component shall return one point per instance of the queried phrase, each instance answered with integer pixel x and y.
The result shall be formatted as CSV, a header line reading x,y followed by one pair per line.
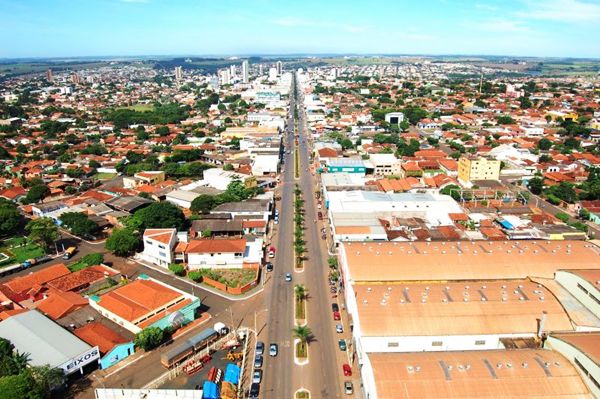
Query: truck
x,y
192,345
69,252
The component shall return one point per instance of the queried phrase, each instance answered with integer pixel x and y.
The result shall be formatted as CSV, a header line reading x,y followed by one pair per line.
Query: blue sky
x,y
66,28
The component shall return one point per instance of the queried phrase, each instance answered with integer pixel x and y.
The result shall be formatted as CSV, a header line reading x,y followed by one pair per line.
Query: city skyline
x,y
555,28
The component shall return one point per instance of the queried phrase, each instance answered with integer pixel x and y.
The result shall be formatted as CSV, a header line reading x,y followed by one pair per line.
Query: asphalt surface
x,y
321,375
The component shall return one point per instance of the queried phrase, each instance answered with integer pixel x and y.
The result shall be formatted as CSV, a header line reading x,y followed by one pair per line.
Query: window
x,y
587,373
437,343
162,254
148,242
161,246
582,288
393,344
480,342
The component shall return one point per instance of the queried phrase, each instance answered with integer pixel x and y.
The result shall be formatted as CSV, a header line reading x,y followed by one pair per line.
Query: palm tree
x,y
303,333
48,378
300,291
20,360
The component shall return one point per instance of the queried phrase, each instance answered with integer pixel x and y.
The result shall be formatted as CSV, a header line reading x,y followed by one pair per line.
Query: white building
x,y
394,118
245,71
159,245
385,165
234,253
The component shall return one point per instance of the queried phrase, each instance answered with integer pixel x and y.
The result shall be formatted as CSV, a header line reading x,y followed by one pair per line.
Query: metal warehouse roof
x,y
44,340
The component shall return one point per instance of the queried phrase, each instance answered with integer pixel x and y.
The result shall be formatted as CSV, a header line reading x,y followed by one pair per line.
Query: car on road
x,y
323,237
288,277
333,290
258,361
320,215
271,254
336,316
335,307
348,388
342,345
257,377
260,348
269,266
347,369
276,220
254,391
339,328
273,350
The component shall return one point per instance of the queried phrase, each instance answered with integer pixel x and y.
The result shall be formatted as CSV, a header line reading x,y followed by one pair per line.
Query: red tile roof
x,y
97,334
58,304
217,245
23,284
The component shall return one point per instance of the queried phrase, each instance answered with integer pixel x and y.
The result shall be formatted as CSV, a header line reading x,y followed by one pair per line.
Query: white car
x,y
257,377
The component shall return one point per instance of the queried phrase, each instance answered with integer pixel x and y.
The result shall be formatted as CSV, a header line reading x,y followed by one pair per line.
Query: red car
x,y
347,369
336,316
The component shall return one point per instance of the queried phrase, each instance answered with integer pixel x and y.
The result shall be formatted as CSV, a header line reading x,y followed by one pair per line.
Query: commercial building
x,y
527,373
385,165
236,253
394,118
245,71
47,343
147,302
472,168
113,347
492,260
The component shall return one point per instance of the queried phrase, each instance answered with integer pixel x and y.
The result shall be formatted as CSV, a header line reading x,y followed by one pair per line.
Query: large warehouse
x,y
47,342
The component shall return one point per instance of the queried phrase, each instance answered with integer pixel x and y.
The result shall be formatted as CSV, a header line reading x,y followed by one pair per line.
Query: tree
x,y
300,291
162,131
544,144
303,333
228,167
453,190
203,203
149,338
158,215
565,191
79,224
122,242
536,185
414,114
177,269
545,158
36,193
10,218
42,231
48,378
505,120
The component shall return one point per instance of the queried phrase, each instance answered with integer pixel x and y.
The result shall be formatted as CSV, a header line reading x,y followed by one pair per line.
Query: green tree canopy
x,y
204,203
36,193
158,215
79,224
10,218
122,242
149,338
42,231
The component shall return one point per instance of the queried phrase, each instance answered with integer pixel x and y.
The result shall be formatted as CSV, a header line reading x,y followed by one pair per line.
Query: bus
x,y
69,252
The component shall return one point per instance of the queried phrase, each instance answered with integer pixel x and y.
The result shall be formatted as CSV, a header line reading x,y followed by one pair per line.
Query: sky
x,y
71,28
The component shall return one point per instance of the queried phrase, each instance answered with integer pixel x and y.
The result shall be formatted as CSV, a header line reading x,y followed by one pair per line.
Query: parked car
x,y
348,388
288,277
335,307
339,329
333,290
273,350
336,316
260,348
347,369
254,391
257,377
269,266
320,215
258,361
323,237
342,345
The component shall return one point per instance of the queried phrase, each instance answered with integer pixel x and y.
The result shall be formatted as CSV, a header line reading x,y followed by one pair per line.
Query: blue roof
x,y
232,374
210,390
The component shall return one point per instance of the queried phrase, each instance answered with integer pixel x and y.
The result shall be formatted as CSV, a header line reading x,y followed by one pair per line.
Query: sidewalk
x,y
254,291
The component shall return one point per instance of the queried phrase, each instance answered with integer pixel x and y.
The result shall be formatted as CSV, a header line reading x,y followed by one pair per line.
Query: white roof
x,y
45,341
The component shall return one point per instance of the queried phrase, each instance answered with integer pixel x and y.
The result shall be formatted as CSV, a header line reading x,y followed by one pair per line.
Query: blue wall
x,y
117,354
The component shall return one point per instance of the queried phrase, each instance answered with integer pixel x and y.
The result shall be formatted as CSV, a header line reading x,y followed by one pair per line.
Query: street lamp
x,y
256,313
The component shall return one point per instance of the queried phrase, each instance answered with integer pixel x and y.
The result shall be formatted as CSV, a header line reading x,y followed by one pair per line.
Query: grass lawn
x,y
301,350
79,265
300,310
140,107
105,176
302,395
19,254
233,277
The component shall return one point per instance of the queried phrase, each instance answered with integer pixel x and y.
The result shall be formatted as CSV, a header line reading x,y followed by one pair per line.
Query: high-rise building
x,y
279,68
49,75
245,71
225,77
272,74
260,69
178,72
232,72
75,78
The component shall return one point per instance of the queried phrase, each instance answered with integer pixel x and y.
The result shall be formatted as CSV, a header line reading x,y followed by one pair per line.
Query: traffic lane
x,y
324,372
277,384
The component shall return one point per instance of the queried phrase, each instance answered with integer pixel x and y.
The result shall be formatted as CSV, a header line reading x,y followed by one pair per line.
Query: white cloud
x,y
562,10
501,25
